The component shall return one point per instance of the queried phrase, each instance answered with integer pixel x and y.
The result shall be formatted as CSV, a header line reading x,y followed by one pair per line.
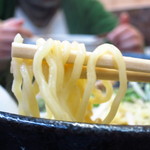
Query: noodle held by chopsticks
x,y
66,96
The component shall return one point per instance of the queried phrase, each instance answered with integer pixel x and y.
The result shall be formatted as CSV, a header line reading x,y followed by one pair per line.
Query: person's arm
x,y
88,17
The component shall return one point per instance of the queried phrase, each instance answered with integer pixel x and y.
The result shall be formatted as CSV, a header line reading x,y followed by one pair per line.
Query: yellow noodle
x,y
66,96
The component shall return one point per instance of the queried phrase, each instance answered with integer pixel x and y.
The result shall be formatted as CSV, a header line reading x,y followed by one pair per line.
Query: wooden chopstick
x,y
132,64
137,69
112,74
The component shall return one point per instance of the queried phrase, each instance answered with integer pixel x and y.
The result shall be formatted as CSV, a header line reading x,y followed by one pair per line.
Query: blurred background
x,y
139,11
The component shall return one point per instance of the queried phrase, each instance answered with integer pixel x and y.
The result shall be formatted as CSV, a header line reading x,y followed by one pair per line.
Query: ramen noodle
x,y
135,113
66,95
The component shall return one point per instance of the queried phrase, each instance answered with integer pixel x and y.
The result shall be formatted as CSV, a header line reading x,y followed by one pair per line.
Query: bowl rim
x,y
65,125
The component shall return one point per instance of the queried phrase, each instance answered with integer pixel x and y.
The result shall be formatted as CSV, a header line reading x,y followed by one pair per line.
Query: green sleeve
x,y
7,8
88,17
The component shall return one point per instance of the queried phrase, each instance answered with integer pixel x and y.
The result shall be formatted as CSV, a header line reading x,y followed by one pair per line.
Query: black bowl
x,y
27,133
